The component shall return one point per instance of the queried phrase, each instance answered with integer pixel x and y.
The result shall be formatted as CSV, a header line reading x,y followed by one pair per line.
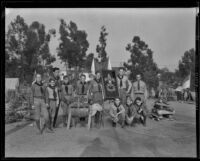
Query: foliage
x,y
169,78
141,62
100,49
73,44
187,66
27,48
88,62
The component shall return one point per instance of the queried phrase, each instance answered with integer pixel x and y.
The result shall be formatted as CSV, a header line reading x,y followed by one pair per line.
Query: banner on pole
x,y
110,84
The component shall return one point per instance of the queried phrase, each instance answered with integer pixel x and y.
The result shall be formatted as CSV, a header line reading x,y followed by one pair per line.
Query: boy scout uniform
x,y
95,89
58,83
114,110
139,90
67,99
38,100
82,88
52,98
130,112
124,86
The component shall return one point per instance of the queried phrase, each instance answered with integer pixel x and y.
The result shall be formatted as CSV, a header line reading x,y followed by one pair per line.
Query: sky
x,y
168,32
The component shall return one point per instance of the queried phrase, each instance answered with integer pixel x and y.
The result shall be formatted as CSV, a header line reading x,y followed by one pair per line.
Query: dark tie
x,y
129,111
138,85
99,87
83,88
54,93
66,89
120,82
117,109
42,91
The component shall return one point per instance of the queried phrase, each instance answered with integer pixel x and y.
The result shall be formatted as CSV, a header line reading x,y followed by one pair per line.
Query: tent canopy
x,y
11,83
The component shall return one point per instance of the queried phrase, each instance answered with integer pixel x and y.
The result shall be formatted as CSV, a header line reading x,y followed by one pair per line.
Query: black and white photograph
x,y
100,82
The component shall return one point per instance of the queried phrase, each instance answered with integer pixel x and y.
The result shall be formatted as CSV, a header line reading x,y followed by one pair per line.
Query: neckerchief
x,y
138,85
54,91
120,78
117,107
129,110
40,85
98,82
139,106
83,87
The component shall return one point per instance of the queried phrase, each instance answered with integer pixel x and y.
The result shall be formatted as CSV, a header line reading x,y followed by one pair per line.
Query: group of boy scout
x,y
46,99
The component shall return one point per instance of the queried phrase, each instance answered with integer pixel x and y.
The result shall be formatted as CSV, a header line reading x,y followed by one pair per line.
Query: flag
x,y
93,67
186,82
109,64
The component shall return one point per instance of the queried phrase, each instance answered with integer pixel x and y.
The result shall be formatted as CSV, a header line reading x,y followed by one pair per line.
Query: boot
x,y
49,126
44,127
123,124
114,124
38,126
144,120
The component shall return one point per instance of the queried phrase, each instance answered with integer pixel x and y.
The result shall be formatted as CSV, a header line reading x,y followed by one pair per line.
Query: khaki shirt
x,y
65,95
142,90
126,84
58,82
94,86
36,92
49,94
79,88
113,110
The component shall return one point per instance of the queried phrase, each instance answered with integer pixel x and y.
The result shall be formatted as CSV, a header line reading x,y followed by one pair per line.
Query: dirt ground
x,y
158,139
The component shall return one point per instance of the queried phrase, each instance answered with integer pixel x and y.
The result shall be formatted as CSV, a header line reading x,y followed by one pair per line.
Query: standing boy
x,y
66,97
38,102
52,100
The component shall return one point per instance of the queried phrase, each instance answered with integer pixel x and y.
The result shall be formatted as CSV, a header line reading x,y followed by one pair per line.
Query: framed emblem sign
x,y
110,88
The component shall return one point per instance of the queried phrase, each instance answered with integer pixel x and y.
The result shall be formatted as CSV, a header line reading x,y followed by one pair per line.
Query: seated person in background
x,y
162,109
117,113
140,107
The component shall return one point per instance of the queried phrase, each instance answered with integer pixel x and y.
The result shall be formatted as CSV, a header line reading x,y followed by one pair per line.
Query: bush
x,y
10,95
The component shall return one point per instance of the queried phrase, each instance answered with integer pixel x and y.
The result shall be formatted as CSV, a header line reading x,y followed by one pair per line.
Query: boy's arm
x,y
111,112
47,96
129,85
122,110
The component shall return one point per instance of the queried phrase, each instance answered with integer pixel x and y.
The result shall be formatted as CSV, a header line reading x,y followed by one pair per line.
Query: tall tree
x,y
88,62
73,44
27,47
101,48
187,66
141,61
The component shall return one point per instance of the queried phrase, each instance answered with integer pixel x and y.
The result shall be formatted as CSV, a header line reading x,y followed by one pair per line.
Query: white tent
x,y
186,82
11,83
